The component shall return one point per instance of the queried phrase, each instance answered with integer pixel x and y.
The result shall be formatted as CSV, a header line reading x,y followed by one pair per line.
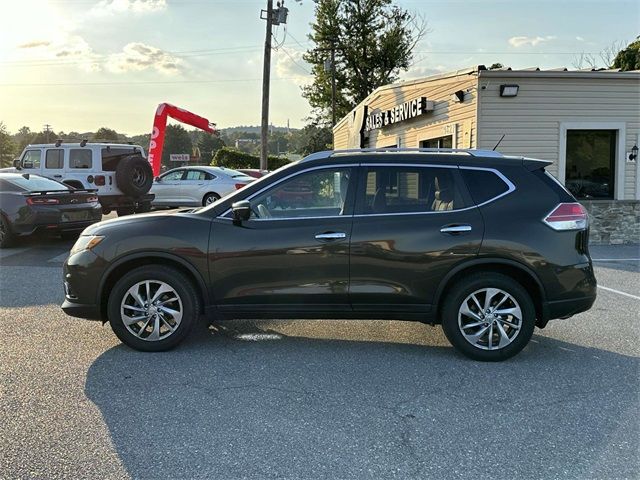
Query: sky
x,y
79,65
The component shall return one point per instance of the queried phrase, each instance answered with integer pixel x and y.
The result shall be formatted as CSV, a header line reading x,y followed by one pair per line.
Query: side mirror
x,y
157,179
16,163
241,210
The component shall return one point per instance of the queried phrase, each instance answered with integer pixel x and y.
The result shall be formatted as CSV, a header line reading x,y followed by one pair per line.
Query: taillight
x,y
568,216
92,200
240,185
99,180
42,201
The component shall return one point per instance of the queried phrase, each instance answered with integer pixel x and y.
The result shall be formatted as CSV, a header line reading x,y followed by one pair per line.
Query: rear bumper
x,y
89,312
567,308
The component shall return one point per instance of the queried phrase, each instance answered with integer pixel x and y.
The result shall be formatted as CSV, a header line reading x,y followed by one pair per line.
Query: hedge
x,y
232,158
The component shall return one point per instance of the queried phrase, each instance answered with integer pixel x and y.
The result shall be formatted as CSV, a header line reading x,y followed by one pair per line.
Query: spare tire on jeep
x,y
134,175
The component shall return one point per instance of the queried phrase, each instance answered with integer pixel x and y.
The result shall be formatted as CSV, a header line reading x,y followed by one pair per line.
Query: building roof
x,y
482,72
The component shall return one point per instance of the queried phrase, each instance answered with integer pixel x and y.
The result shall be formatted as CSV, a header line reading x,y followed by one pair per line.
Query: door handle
x,y
57,176
331,236
455,229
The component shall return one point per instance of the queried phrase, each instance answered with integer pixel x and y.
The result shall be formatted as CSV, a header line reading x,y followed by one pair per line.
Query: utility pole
x,y
266,78
333,85
47,129
273,17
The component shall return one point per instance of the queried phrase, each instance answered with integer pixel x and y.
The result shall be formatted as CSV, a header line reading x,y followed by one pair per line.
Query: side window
x,y
173,176
31,159
80,158
483,185
408,189
209,176
195,175
54,159
319,193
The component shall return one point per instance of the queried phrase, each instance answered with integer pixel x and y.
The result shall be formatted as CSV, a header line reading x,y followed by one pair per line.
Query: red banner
x,y
160,124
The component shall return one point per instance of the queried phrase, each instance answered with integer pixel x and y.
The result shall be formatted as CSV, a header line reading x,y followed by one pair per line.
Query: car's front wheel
x,y
488,317
153,308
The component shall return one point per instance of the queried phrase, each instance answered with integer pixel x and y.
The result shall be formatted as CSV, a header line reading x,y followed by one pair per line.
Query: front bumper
x,y
89,312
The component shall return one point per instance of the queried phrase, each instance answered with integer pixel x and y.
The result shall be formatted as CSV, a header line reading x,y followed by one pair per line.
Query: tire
x,y
6,235
123,211
209,198
134,176
512,323
143,208
143,339
70,235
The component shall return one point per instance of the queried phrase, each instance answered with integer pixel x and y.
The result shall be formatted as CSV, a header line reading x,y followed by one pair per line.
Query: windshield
x,y
36,184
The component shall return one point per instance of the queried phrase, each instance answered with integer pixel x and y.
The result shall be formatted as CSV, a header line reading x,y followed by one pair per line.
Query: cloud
x,y
106,7
522,41
289,64
137,56
35,44
580,39
421,71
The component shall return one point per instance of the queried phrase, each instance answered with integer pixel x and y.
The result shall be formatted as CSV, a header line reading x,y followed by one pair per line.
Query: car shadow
x,y
327,399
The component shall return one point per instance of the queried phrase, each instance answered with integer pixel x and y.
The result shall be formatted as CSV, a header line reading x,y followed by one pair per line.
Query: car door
x,y
292,255
167,187
54,163
191,187
412,224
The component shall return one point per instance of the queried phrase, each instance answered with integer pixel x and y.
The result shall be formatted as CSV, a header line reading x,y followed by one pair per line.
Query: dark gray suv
x,y
487,245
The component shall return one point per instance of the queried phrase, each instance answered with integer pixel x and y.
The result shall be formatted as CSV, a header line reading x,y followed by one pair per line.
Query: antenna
x,y
499,141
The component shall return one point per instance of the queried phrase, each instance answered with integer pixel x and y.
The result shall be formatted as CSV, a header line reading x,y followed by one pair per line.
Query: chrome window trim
x,y
510,185
267,187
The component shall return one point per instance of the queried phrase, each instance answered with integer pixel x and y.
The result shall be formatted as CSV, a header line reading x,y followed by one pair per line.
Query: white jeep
x,y
119,172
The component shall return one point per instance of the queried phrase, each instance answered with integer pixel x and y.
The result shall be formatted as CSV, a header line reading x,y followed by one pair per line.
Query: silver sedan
x,y
196,186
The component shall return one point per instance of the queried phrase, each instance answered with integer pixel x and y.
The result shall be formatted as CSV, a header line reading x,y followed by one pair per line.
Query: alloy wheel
x,y
490,319
151,310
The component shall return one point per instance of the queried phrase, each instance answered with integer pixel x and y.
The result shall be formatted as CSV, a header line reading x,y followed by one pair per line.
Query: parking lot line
x,y
60,258
618,292
616,259
12,251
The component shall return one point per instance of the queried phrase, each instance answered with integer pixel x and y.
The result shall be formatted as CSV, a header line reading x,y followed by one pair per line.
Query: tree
x,y
209,145
106,134
7,147
628,58
176,140
312,138
496,66
373,42
23,138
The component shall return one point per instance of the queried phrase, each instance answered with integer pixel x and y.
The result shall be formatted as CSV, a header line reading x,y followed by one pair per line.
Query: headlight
x,y
85,243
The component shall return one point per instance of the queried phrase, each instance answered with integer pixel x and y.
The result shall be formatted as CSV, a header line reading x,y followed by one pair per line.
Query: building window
x,y
440,142
590,164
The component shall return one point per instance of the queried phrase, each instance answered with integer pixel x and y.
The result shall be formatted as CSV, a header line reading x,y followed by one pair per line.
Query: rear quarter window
x,y
483,185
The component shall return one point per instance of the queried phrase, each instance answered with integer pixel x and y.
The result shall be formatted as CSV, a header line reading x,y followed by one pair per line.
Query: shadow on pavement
x,y
327,407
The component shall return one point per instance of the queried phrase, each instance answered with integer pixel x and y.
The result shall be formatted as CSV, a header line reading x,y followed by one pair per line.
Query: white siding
x,y
446,116
532,121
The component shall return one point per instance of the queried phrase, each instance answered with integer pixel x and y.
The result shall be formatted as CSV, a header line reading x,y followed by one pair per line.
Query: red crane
x,y
160,124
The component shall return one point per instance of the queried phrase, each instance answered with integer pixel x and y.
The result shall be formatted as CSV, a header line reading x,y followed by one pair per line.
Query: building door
x,y
590,163
440,142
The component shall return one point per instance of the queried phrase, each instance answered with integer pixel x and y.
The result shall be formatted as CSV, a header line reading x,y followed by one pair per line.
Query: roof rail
x,y
469,151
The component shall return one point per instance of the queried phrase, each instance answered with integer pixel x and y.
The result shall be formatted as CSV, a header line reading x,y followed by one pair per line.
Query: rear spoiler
x,y
45,192
532,164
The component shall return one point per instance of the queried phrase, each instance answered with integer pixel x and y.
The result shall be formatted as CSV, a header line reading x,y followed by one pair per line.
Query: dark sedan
x,y
30,203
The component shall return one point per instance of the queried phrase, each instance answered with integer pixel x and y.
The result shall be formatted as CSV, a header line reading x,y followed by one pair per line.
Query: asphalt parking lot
x,y
314,399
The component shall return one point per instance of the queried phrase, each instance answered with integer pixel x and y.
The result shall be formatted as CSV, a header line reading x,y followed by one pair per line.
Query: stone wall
x,y
613,222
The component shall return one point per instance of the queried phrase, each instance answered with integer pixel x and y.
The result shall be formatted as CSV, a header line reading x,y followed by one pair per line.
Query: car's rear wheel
x,y
488,317
6,235
153,308
209,198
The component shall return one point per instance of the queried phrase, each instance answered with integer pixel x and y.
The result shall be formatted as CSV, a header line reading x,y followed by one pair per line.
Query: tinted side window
x,y
54,159
409,190
483,185
80,158
318,193
111,157
31,159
